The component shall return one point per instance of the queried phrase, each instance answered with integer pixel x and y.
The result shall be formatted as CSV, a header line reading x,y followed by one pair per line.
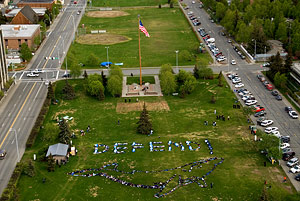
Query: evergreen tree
x,y
68,92
64,134
101,93
144,124
196,72
220,84
85,75
50,94
51,163
104,79
288,63
182,92
29,169
264,194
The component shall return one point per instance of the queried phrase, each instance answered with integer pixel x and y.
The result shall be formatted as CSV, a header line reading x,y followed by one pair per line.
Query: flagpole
x,y
140,51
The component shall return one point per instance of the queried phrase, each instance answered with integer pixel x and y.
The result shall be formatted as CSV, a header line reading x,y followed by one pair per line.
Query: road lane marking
x,y
57,74
25,86
9,114
24,118
21,76
69,20
13,141
14,75
15,104
19,129
51,53
2,124
13,123
29,109
38,91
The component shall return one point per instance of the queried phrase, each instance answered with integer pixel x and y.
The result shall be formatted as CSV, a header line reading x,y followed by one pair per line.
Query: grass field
x,y
131,80
240,177
125,3
167,27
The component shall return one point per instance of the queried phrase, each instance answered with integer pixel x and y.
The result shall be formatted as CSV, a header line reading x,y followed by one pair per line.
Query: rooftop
x,y
19,30
36,1
38,11
57,150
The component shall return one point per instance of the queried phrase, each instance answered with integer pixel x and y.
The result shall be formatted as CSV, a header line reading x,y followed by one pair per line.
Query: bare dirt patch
x,y
94,191
102,39
153,106
108,14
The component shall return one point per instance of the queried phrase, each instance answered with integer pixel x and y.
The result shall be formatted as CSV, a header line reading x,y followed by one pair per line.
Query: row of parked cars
x,y
266,83
210,42
194,19
239,52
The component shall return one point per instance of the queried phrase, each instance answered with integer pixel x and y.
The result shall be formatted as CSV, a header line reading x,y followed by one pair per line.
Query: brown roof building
x,y
15,35
26,16
37,3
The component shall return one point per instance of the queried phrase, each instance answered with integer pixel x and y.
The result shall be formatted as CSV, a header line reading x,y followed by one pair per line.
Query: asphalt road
x,y
21,106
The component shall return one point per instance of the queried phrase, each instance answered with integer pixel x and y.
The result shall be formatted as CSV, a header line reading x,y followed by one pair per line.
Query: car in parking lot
x,y
287,109
278,97
293,114
271,129
285,139
286,150
261,113
292,162
276,134
250,102
238,85
193,2
266,123
295,169
258,109
231,76
233,62
288,156
242,56
297,177
236,80
31,74
284,145
274,93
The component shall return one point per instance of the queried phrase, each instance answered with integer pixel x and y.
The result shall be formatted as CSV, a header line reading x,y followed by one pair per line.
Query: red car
x,y
258,109
75,2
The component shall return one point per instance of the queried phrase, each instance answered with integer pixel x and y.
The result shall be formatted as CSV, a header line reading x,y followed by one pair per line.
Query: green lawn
x,y
131,80
127,3
239,177
169,31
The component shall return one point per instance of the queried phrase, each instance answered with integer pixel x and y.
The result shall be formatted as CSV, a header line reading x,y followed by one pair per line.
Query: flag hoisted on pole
x,y
144,30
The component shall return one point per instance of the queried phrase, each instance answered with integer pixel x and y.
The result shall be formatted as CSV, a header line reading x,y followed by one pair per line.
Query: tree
x,y
104,79
68,91
50,93
269,28
281,33
181,77
51,163
75,70
172,2
288,63
205,73
94,86
277,79
26,53
185,55
144,124
220,84
29,169
85,75
189,84
114,85
196,72
220,11
116,71
168,83
93,60
264,194
64,134
165,68
229,21
37,40
213,99
101,93
244,32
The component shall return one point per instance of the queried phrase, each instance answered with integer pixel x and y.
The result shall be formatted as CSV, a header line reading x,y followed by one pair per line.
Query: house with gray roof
x,y
59,152
25,16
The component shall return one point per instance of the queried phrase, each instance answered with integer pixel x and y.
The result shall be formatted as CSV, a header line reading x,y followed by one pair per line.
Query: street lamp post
x,y
228,59
265,55
177,60
17,145
107,55
74,27
255,49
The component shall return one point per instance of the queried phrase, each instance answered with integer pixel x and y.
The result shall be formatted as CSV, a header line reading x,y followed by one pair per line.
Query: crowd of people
x,y
160,185
209,146
97,146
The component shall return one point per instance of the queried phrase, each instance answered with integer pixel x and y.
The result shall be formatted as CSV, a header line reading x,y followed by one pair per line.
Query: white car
x,y
190,13
238,85
236,80
38,71
293,114
233,62
295,169
220,59
266,123
276,134
246,97
271,129
250,102
193,2
32,75
284,145
46,58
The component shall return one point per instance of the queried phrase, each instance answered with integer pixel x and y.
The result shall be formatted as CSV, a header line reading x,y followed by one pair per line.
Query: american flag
x,y
143,29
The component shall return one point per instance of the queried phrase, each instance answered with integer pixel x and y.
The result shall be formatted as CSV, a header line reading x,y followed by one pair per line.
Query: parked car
x,y
258,109
266,123
284,145
274,93
261,113
288,109
292,162
269,87
278,97
259,76
229,41
287,150
295,169
271,129
297,177
32,74
250,102
262,79
2,154
293,114
285,139
266,65
233,62
276,134
238,85
287,157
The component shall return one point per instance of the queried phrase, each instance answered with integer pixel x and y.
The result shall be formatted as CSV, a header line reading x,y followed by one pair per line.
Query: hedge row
x,y
38,123
10,192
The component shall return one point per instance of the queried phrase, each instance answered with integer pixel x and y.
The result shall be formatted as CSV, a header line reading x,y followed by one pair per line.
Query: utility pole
x,y
177,60
107,56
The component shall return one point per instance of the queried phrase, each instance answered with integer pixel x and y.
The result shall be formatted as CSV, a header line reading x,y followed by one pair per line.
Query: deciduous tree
x,y
168,83
26,53
114,85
